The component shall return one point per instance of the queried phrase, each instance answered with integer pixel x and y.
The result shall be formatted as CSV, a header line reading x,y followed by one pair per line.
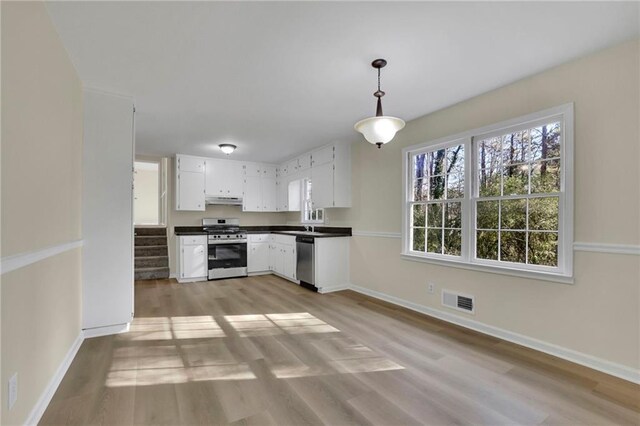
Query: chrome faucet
x,y
306,228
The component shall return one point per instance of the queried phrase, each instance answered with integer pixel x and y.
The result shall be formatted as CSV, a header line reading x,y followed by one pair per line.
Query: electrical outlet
x,y
431,288
13,390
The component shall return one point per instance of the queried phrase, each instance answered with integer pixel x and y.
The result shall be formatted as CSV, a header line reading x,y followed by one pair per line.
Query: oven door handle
x,y
221,242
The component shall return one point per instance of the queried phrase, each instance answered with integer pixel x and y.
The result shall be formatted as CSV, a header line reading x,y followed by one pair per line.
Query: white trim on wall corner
x,y
608,367
608,248
38,410
11,263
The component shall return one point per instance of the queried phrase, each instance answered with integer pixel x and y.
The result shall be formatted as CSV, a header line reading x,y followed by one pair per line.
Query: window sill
x,y
535,275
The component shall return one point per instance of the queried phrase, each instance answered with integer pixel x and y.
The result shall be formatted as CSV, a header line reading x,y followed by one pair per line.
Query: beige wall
x,y
599,314
146,204
41,202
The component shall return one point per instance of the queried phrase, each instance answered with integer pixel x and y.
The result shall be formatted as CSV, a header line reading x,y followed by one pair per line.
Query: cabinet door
x,y
253,170
269,194
191,164
214,170
269,171
258,257
289,262
193,261
292,167
322,186
304,162
322,156
252,199
282,195
234,179
190,193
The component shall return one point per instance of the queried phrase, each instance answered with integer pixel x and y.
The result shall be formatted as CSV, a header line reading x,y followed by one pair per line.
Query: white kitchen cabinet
x,y
258,253
269,194
252,198
282,256
331,256
304,162
322,156
253,170
190,183
187,163
192,258
223,178
260,192
322,186
331,177
282,195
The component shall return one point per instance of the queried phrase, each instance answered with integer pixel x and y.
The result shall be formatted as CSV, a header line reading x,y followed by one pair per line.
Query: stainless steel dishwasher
x,y
305,262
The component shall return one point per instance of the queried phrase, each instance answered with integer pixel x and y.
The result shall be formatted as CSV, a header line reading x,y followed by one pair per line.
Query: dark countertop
x,y
325,231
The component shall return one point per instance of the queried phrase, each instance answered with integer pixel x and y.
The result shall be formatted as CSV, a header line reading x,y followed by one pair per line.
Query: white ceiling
x,y
278,79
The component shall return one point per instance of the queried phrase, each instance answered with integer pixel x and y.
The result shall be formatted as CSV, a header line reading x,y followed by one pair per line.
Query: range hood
x,y
228,201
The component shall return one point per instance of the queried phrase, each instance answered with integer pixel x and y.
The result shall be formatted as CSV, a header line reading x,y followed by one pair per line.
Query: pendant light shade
x,y
380,129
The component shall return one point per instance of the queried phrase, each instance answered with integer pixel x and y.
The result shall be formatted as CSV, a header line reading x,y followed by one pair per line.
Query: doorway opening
x,y
149,192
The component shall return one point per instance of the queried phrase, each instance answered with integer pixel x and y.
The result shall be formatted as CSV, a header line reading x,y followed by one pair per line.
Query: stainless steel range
x,y
227,248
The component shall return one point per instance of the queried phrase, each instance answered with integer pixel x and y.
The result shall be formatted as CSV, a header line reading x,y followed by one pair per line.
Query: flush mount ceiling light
x,y
227,148
381,128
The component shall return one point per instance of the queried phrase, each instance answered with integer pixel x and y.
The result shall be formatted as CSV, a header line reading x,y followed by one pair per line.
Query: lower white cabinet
x,y
282,255
258,253
192,258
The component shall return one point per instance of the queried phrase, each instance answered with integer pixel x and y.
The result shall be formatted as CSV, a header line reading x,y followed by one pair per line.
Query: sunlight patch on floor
x,y
168,328
208,356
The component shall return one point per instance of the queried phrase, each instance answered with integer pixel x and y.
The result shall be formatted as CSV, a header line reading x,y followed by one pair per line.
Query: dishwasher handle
x,y
304,239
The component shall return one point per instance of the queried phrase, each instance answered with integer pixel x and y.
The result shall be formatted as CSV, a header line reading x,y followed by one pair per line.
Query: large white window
x,y
497,198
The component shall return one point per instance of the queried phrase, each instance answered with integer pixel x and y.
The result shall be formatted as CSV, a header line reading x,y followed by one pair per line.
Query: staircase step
x,y
151,262
162,232
146,251
151,274
150,240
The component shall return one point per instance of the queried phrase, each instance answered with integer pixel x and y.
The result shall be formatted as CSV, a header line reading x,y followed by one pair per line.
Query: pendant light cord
x,y
378,79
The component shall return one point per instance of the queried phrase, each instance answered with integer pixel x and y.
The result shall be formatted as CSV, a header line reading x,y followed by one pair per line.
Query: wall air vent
x,y
464,303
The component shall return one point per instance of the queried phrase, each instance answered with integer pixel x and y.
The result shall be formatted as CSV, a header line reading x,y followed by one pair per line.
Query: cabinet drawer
x,y
190,240
258,238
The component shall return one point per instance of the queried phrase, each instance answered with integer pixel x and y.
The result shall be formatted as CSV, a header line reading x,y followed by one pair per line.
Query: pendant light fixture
x,y
381,128
227,148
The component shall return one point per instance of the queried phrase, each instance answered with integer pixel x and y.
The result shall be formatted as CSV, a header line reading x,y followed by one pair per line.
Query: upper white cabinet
x,y
187,163
266,187
331,177
190,183
224,178
260,190
322,156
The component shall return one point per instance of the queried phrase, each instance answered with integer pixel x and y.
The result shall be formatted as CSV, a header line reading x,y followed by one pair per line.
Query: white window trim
x,y
564,272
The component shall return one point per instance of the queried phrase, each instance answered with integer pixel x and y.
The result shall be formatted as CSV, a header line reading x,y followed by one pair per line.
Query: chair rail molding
x,y
632,249
17,261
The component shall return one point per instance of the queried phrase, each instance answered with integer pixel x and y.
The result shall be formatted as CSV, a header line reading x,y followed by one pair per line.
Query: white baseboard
x,y
325,290
105,331
608,367
43,402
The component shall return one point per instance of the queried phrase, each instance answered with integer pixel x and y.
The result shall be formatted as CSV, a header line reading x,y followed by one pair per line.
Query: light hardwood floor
x,y
263,351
